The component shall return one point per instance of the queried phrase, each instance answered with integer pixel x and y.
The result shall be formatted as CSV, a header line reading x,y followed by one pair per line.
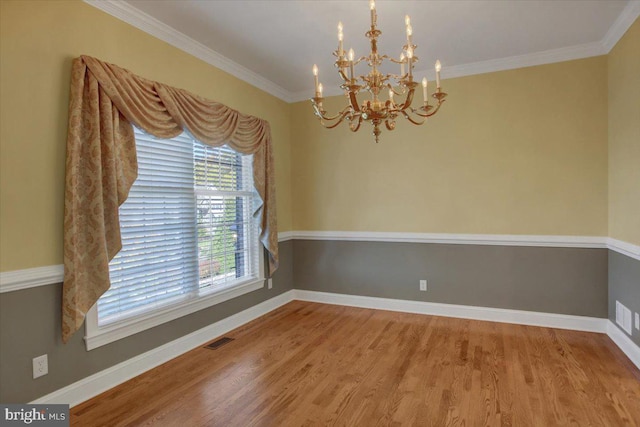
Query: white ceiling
x,y
279,41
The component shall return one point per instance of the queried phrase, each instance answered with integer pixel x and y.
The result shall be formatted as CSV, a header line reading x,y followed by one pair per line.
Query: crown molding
x,y
150,25
627,17
521,61
133,16
493,65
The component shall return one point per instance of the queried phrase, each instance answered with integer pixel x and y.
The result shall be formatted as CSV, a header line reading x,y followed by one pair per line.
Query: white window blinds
x,y
187,227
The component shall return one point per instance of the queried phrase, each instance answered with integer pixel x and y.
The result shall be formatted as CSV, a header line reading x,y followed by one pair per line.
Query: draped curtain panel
x,y
101,167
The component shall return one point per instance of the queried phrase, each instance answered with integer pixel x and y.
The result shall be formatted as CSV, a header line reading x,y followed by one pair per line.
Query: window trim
x,y
96,336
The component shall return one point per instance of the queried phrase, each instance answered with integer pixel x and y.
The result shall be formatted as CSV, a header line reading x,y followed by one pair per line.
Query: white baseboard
x,y
102,381
520,317
625,344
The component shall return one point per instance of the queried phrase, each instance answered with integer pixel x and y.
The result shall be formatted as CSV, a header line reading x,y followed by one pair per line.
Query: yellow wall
x,y
38,41
513,152
624,137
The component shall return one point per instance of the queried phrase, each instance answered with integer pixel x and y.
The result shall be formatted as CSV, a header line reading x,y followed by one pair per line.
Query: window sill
x,y
98,336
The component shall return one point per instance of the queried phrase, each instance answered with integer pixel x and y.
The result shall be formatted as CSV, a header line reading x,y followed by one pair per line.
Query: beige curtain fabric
x,y
101,166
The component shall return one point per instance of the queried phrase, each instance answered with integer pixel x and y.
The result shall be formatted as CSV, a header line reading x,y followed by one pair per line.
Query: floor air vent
x,y
218,343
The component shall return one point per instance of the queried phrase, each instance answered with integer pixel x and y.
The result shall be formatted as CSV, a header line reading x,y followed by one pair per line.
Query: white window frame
x,y
97,336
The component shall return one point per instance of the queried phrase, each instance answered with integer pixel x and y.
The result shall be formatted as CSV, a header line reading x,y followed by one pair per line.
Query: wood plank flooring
x,y
308,364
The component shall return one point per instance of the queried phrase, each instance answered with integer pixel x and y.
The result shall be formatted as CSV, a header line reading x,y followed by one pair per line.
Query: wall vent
x,y
218,343
623,317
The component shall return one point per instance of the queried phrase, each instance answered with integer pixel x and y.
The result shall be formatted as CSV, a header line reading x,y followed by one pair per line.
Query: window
x,y
188,234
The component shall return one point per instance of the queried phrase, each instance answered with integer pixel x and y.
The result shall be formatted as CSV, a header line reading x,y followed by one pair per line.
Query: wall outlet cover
x,y
270,283
637,321
40,366
423,285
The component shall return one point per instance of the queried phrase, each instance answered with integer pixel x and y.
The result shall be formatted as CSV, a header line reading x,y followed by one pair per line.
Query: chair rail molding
x,y
40,276
30,278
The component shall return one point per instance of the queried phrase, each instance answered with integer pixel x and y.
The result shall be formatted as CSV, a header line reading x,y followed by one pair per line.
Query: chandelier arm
x,y
417,112
408,117
339,119
395,92
391,125
344,76
359,60
408,100
354,128
322,114
354,101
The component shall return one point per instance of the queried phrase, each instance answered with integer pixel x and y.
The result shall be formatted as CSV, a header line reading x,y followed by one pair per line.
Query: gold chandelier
x,y
375,110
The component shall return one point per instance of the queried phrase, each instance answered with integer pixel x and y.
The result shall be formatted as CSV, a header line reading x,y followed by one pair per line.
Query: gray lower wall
x,y
30,327
624,286
554,280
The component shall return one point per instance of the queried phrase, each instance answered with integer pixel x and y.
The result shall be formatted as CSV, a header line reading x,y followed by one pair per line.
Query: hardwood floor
x,y
309,364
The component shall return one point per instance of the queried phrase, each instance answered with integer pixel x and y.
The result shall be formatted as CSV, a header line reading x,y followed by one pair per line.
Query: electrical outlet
x,y
270,283
40,366
637,321
423,285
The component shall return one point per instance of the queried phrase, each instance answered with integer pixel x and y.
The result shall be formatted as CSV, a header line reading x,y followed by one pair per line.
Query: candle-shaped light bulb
x,y
402,64
409,53
407,20
351,56
409,30
438,68
424,90
315,77
340,38
320,90
372,6
409,60
391,95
